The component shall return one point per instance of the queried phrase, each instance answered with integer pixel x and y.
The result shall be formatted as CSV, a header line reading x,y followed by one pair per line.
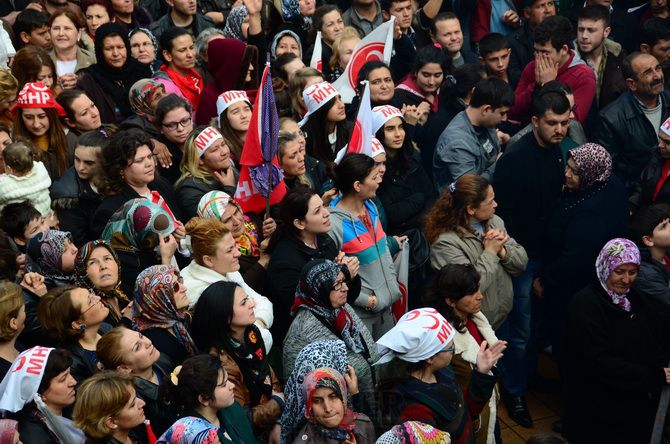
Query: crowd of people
x,y
514,202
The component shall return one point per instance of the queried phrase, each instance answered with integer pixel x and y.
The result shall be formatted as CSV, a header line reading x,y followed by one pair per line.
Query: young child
x,y
494,53
24,178
651,231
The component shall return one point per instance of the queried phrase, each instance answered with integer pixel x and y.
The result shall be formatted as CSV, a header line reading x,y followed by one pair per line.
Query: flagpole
x,y
269,162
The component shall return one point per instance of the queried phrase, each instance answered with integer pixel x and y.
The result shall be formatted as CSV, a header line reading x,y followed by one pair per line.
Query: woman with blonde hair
x,y
216,258
302,78
8,90
205,166
462,228
343,48
108,409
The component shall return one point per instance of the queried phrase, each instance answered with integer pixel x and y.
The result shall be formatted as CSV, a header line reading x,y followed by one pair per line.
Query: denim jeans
x,y
516,331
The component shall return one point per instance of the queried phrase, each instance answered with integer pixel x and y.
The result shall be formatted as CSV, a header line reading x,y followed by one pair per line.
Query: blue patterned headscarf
x,y
615,253
190,430
136,226
326,353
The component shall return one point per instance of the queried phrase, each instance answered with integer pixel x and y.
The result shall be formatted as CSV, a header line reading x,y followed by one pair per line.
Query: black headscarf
x,y
117,82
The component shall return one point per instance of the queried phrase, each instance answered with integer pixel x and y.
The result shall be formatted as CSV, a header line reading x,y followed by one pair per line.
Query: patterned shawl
x,y
313,293
154,305
326,353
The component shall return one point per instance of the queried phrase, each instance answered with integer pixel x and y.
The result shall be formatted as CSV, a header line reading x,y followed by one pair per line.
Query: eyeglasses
x,y
174,125
176,285
91,304
338,285
448,350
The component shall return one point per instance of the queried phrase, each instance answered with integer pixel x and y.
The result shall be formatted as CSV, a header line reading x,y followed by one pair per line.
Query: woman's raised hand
x,y
489,355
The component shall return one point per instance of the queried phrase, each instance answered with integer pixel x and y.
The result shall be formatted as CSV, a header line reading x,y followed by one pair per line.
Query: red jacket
x,y
576,73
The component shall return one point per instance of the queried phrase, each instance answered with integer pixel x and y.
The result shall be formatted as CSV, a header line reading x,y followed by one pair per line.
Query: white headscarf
x,y
418,335
21,382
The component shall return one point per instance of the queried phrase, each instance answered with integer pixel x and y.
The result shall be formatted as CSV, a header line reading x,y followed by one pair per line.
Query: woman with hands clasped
x,y
424,341
462,228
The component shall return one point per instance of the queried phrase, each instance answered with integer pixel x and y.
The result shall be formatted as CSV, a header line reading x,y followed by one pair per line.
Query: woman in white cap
x,y
407,193
206,166
325,123
424,340
35,392
233,109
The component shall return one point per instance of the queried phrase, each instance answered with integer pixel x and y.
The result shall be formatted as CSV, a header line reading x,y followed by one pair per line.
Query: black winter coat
x,y
189,192
521,42
646,188
628,135
75,203
527,182
614,371
406,196
31,427
289,256
584,221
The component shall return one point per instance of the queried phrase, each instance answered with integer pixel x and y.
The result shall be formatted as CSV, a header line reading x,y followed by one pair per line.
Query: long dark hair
x,y
293,206
400,162
213,313
197,377
453,282
353,167
316,129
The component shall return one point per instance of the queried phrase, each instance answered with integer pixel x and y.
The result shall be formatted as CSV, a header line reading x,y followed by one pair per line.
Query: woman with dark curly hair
x,y
455,294
462,228
129,172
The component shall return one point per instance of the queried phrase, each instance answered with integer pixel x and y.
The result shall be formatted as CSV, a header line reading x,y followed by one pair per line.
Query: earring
x,y
82,328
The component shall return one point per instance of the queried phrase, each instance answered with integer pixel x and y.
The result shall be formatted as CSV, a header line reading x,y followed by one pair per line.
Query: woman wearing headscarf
x,y
616,371
329,419
160,310
108,82
36,394
250,240
190,430
321,311
325,353
144,96
592,210
141,234
97,268
426,391
51,253
144,48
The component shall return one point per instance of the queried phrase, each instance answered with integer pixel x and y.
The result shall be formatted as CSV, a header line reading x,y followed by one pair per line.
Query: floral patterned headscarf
x,y
190,430
326,353
325,377
414,432
594,164
233,28
155,305
213,204
141,96
135,226
45,253
615,253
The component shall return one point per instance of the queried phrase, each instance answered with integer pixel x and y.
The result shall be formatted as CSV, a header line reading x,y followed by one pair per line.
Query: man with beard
x,y
600,53
628,127
527,181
